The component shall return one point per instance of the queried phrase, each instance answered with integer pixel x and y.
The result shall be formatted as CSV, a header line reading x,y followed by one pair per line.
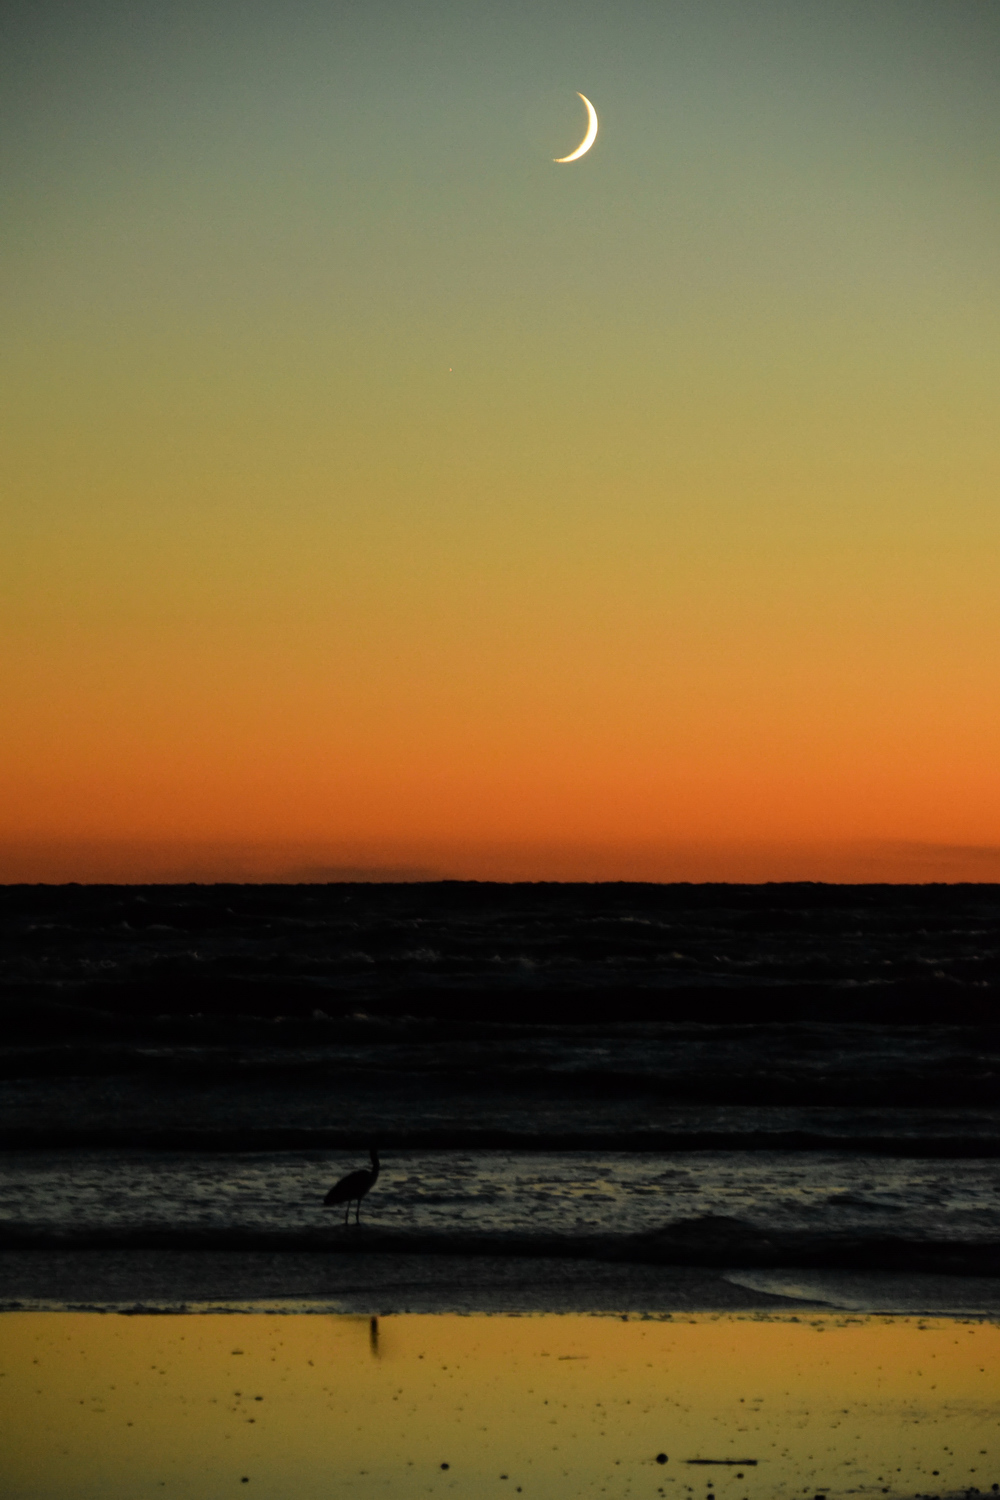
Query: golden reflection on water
x,y
315,1405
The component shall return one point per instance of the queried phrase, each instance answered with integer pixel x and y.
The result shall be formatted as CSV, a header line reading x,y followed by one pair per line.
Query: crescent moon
x,y
588,139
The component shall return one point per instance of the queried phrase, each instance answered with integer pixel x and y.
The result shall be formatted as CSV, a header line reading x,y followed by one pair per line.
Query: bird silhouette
x,y
353,1187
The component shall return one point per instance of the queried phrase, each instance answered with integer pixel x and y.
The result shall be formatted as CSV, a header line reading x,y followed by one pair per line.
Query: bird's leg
x,y
357,1212
347,1214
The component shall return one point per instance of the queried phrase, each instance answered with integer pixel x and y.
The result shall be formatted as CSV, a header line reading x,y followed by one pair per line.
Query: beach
x,y
717,1404
683,1113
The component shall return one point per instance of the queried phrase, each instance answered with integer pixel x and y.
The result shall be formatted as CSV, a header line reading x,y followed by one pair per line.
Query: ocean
x,y
724,1076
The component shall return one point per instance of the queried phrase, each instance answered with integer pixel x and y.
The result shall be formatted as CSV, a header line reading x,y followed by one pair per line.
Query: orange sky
x,y
375,487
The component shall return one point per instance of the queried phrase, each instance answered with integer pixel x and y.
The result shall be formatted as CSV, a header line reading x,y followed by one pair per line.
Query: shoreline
x,y
183,1281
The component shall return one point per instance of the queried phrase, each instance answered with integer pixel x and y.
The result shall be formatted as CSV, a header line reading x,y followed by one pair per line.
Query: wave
x,y
129,956
711,1240
910,1143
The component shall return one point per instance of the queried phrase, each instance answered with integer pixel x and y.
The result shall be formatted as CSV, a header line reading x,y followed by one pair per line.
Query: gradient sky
x,y
373,485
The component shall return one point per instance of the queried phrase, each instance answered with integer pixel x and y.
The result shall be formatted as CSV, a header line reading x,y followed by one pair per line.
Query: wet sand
x,y
723,1405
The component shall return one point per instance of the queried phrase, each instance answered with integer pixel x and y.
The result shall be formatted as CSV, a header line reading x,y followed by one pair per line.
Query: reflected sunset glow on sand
x,y
199,1405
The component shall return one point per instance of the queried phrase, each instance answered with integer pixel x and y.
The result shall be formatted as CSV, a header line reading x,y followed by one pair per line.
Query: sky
x,y
379,495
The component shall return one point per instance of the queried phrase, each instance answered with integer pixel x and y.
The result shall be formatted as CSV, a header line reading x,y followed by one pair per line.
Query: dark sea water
x,y
732,1075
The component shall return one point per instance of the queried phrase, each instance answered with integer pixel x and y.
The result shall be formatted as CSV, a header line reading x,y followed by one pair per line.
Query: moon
x,y
588,139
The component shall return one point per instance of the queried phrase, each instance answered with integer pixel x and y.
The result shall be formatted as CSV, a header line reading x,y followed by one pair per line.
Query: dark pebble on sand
x,y
661,1458
446,1466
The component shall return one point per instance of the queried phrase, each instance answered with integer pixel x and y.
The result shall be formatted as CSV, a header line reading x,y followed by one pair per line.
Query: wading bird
x,y
353,1187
